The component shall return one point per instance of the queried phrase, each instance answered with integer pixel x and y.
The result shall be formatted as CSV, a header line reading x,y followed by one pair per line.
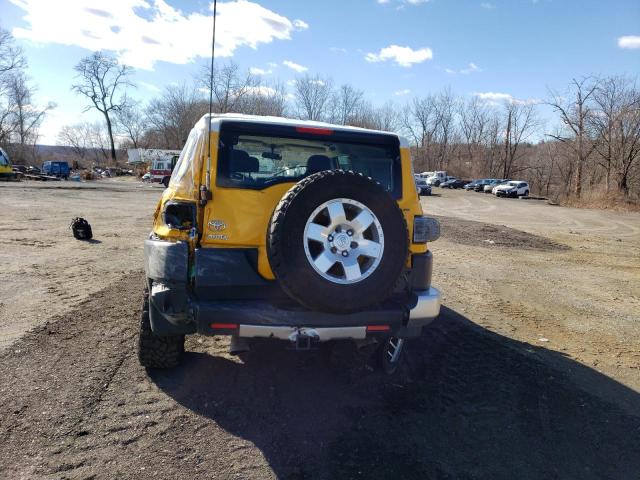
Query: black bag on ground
x,y
81,229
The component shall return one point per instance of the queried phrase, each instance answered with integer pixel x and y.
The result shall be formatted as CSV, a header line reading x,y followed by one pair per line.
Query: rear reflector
x,y
224,326
378,328
314,130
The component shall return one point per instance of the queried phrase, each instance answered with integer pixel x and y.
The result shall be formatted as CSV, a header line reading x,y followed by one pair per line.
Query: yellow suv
x,y
296,230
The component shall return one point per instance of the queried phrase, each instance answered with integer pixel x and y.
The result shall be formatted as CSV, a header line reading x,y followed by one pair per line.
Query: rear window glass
x,y
257,156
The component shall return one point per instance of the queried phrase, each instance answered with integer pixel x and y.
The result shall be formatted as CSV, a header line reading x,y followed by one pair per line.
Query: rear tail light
x,y
314,130
425,229
378,328
224,326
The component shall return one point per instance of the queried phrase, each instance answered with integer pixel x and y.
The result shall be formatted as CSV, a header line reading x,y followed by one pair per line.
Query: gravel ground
x,y
530,372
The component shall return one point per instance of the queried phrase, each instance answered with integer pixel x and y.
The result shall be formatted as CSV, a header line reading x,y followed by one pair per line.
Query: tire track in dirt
x,y
468,403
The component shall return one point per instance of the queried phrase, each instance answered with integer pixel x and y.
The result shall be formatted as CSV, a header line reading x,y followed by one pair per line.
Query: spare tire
x,y
337,242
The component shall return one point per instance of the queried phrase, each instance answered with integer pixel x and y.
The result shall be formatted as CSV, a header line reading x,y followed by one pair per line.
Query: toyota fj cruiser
x,y
295,230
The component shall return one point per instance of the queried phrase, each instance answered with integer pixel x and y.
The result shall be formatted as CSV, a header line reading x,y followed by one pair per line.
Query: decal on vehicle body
x,y
217,225
217,237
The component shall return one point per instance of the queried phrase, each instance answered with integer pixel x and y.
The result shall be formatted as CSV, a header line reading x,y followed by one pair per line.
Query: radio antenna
x,y
206,194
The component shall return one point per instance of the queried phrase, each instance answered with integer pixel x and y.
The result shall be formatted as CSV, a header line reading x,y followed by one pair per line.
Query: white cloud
x,y
143,32
403,56
629,41
150,86
487,5
294,66
338,49
259,71
291,83
494,96
300,24
261,90
383,1
498,98
399,93
472,67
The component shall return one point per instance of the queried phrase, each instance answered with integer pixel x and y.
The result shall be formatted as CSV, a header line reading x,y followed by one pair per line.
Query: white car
x,y
513,188
437,178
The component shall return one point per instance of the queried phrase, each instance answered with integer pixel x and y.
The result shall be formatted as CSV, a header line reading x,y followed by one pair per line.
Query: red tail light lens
x,y
314,130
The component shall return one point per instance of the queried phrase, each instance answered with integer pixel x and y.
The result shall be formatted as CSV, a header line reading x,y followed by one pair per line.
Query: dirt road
x,y
531,371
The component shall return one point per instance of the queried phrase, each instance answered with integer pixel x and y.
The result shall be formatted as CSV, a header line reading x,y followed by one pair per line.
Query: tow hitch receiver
x,y
304,338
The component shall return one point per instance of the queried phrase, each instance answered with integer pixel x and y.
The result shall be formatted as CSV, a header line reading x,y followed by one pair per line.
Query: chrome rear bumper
x,y
426,310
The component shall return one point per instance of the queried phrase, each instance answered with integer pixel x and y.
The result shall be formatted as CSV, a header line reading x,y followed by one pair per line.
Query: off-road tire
x,y
155,351
285,242
381,356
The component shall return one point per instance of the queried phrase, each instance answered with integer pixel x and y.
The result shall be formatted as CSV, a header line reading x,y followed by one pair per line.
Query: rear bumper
x,y
214,306
256,318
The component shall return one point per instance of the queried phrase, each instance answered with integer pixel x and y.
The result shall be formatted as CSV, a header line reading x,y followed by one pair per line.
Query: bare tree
x,y
474,127
387,118
172,116
345,103
26,116
11,56
519,124
230,86
419,122
103,81
99,142
575,114
445,129
12,61
130,122
267,99
616,125
312,96
78,137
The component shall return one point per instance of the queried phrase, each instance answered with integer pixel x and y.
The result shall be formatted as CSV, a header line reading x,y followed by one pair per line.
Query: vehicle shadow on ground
x,y
468,403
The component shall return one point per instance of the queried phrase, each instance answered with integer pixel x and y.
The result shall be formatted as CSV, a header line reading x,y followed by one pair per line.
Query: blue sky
x,y
393,49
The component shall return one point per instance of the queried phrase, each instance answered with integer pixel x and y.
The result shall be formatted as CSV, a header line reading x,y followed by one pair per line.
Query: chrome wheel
x,y
343,241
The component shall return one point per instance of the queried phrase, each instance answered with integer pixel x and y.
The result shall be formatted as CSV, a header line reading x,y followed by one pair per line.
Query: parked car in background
x,y
56,169
493,190
447,179
422,186
471,185
479,187
488,188
33,170
19,168
513,188
454,183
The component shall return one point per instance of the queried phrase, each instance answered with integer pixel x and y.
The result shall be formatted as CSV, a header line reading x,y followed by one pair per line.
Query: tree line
x,y
592,144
